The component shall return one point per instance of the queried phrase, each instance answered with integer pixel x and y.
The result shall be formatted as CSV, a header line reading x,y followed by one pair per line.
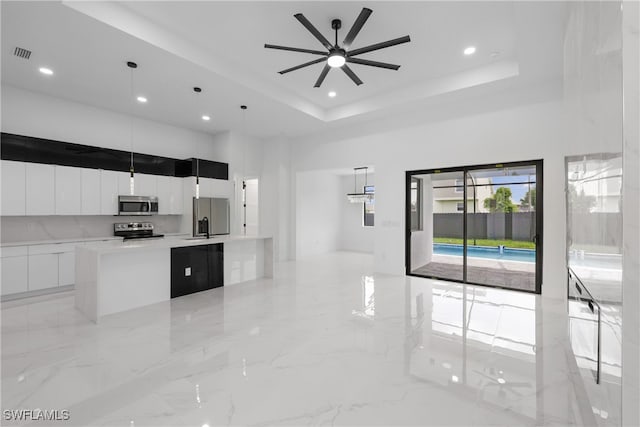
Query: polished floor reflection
x,y
325,343
503,274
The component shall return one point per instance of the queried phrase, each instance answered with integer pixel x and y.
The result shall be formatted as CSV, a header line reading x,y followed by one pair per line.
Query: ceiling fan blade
x,y
309,26
296,49
323,74
351,74
357,26
306,64
373,63
377,46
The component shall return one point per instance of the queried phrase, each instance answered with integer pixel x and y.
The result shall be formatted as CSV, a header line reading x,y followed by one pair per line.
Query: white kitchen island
x,y
116,276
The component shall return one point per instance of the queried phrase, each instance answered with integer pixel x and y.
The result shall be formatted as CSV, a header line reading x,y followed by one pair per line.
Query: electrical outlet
x,y
187,271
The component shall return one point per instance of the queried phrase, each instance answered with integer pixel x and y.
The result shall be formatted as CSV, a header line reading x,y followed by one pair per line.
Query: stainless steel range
x,y
135,230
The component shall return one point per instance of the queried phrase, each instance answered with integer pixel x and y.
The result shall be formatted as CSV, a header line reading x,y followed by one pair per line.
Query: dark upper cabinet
x,y
23,148
196,268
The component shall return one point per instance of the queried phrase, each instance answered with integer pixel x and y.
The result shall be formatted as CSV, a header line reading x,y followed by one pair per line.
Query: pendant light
x,y
356,196
132,66
197,179
198,90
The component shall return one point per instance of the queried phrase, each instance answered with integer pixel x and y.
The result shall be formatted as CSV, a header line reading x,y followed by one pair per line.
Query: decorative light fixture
x,y
197,178
196,89
336,58
360,197
132,66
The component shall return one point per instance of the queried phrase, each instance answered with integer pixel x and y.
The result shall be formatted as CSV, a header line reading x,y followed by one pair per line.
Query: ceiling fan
x,y
337,56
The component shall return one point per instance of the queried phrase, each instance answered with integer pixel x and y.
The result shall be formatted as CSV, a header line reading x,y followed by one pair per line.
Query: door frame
x,y
539,165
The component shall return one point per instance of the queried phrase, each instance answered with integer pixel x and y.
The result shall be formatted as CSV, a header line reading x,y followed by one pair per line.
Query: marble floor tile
x,y
325,342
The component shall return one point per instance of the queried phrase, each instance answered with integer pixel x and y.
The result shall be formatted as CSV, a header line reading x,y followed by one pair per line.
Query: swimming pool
x,y
489,252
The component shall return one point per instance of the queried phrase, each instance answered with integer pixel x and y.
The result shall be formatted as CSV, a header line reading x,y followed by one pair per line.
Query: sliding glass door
x,y
477,224
436,215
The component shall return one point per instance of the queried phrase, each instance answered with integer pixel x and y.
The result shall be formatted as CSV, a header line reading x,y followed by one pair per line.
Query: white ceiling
x,y
219,46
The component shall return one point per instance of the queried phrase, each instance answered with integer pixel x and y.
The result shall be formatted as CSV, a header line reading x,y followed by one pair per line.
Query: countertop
x,y
165,243
78,240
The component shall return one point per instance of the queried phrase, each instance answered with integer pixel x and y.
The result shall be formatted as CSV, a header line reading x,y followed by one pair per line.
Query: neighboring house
x,y
448,196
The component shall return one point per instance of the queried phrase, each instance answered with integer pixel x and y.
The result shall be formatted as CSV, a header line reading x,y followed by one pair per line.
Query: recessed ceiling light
x,y
206,118
47,71
501,381
470,50
332,94
142,99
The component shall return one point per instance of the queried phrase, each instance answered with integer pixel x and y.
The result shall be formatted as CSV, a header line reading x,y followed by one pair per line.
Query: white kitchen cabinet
x,y
123,184
38,267
66,268
146,185
40,189
43,271
206,187
210,187
109,182
68,190
170,195
14,269
90,192
164,195
177,207
13,188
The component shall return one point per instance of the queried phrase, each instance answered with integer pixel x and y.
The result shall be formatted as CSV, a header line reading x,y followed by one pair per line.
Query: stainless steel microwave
x,y
137,205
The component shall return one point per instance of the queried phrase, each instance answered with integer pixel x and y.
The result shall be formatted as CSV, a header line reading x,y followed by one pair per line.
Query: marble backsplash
x,y
35,228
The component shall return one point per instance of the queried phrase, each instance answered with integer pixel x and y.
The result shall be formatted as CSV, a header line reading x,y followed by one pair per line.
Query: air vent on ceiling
x,y
22,53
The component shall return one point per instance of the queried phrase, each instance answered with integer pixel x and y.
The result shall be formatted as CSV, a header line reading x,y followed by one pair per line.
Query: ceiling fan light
x,y
336,60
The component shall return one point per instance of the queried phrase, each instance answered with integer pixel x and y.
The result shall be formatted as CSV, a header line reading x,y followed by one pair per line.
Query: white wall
x,y
318,211
631,214
245,156
594,106
353,235
251,206
275,196
34,114
522,133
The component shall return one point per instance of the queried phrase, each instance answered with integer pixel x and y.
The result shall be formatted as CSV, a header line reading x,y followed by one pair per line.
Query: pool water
x,y
488,252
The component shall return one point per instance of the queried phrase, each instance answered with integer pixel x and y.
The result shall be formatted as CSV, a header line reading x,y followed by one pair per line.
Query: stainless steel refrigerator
x,y
213,212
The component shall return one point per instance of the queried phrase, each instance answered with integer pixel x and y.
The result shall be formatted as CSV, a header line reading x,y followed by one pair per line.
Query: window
x,y
460,206
459,186
369,207
416,204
